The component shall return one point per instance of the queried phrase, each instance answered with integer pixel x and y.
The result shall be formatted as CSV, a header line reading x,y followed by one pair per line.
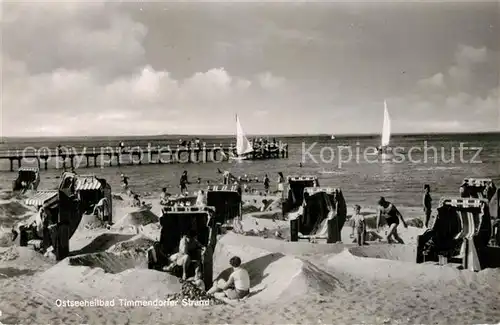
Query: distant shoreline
x,y
217,136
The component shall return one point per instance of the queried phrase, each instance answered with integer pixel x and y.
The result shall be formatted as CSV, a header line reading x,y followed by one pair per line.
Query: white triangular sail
x,y
386,128
243,146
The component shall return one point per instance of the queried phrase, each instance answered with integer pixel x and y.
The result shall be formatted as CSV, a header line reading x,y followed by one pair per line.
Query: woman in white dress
x,y
281,182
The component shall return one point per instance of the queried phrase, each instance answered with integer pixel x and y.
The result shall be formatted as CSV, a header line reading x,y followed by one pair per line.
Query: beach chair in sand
x,y
28,178
482,188
294,192
90,190
227,201
176,221
459,233
28,236
323,216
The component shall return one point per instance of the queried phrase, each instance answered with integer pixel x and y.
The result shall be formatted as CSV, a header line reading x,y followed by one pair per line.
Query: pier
x,y
113,156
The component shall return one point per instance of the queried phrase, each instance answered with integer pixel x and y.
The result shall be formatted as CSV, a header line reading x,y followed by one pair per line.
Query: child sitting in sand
x,y
238,284
197,280
358,226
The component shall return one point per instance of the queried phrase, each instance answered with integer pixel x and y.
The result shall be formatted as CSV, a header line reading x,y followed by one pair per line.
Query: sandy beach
x,y
296,282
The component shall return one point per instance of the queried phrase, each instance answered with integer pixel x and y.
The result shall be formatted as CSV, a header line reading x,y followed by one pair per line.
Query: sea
x,y
345,162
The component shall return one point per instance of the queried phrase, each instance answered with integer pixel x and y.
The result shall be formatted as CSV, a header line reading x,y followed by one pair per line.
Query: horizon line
x,y
248,135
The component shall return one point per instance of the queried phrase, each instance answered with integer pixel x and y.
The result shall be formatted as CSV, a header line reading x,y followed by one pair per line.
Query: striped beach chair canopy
x,y
191,209
327,190
42,198
459,202
87,183
479,182
223,188
29,169
295,178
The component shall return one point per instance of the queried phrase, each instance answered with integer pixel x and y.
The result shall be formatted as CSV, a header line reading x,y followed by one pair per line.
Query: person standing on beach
x,y
266,184
201,200
184,181
358,226
392,217
124,181
281,183
427,202
101,209
164,196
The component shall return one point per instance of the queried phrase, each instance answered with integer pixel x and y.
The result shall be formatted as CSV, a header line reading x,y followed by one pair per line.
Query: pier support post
x,y
46,163
19,162
87,157
11,165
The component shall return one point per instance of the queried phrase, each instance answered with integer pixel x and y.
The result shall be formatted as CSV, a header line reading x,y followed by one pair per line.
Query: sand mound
x,y
11,212
249,208
90,282
138,244
102,242
299,249
139,217
23,256
10,272
274,275
405,253
6,194
89,221
109,262
400,269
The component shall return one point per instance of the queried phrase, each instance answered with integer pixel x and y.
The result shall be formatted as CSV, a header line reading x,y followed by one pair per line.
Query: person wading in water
x,y
392,217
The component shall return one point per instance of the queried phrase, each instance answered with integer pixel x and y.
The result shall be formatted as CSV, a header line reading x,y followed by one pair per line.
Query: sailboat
x,y
386,133
243,146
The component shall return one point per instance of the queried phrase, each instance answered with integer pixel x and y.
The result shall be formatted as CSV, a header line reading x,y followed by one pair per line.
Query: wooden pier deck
x,y
113,156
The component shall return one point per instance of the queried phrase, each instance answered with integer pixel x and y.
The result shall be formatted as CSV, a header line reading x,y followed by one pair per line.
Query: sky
x,y
150,68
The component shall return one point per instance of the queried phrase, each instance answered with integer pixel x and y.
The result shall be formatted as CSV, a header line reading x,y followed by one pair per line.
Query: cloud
x,y
467,55
268,81
459,99
436,81
81,68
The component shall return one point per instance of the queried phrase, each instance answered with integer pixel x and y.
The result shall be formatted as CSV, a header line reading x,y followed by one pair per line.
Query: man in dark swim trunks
x,y
392,217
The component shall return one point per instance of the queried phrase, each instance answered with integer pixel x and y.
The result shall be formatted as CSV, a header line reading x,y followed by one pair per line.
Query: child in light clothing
x,y
197,280
358,225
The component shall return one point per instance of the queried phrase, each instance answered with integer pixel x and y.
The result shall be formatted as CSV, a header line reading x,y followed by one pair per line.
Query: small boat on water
x,y
243,147
333,137
384,149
